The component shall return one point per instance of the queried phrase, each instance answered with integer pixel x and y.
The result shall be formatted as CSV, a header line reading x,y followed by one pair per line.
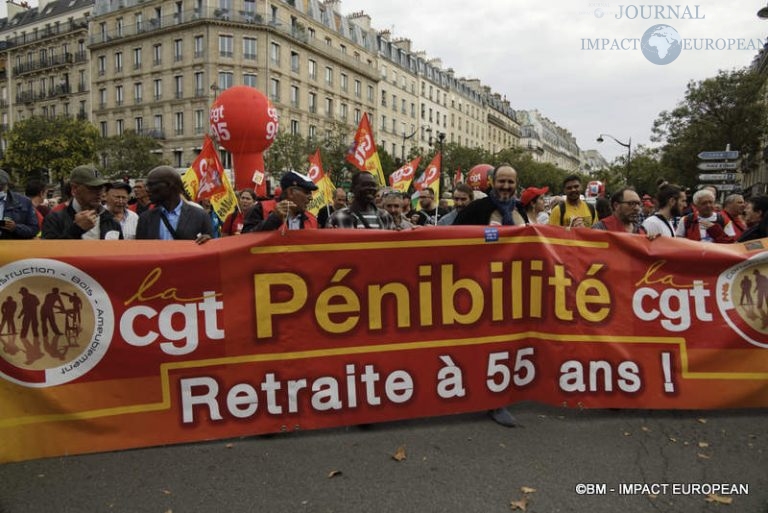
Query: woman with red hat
x,y
532,199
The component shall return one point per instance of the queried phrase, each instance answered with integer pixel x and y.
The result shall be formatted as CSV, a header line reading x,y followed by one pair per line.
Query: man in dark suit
x,y
172,218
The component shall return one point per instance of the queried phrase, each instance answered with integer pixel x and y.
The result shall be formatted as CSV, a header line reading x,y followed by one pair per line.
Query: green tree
x,y
726,109
129,154
58,145
288,151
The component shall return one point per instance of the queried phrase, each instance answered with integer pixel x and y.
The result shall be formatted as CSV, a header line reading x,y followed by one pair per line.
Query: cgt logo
x,y
742,297
177,324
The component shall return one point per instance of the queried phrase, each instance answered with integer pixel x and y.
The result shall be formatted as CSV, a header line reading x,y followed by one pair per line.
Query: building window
x,y
343,111
104,131
138,92
199,84
358,89
249,48
294,96
178,49
225,46
102,98
200,119
138,125
370,93
157,54
158,119
157,88
312,132
312,69
118,62
137,58
119,127
295,61
101,65
312,103
329,107
329,75
178,123
226,80
274,53
358,117
249,79
294,127
199,46
344,81
119,95
178,86
274,89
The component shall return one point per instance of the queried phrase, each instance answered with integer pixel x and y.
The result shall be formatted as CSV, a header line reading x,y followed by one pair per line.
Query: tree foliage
x,y
130,154
57,145
726,109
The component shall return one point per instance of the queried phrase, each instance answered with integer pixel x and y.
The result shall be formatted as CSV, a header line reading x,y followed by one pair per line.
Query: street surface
x,y
463,463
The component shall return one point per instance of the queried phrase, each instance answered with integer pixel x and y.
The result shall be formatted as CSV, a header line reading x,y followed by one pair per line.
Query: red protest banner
x,y
261,333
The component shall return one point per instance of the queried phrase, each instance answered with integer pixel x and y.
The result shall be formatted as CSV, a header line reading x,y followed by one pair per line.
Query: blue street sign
x,y
718,155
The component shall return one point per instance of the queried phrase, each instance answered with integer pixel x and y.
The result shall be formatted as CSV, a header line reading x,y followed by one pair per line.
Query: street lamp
x,y
627,145
402,148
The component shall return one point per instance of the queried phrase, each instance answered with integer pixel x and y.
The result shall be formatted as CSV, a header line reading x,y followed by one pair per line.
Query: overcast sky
x,y
531,51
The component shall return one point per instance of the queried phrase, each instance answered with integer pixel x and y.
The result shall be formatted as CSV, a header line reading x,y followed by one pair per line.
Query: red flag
x,y
401,179
362,154
458,178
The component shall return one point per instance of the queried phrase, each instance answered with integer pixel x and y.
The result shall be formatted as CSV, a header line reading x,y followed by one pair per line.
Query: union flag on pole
x,y
458,177
362,154
325,188
401,179
430,178
205,178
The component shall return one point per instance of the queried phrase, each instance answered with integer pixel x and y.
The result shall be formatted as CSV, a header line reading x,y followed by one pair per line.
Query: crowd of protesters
x,y
155,208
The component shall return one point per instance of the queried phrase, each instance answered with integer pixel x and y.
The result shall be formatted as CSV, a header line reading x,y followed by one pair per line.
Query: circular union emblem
x,y
56,322
742,296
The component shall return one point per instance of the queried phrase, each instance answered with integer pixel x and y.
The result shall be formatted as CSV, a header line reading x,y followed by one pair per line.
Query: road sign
x,y
727,186
714,166
718,155
717,177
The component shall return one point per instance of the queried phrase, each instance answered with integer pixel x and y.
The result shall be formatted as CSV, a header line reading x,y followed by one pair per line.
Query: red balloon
x,y
477,178
245,122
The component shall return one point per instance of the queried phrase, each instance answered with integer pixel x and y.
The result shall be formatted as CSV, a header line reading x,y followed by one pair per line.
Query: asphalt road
x,y
462,463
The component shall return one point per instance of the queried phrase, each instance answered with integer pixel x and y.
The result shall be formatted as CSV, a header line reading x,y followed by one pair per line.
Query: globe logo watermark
x,y
661,44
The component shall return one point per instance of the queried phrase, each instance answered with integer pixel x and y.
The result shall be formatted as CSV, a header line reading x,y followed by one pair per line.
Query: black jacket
x,y
61,225
20,209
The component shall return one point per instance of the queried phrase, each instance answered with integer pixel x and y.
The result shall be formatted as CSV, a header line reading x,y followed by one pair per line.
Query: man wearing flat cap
x,y
117,204
84,217
290,211
18,219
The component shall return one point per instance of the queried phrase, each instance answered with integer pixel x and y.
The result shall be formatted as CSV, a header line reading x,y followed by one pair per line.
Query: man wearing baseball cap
x,y
18,219
290,211
84,217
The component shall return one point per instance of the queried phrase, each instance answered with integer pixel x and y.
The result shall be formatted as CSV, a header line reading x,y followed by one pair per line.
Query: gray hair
x,y
698,195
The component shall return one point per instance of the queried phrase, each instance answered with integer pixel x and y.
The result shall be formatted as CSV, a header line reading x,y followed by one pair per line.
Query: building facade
x,y
156,66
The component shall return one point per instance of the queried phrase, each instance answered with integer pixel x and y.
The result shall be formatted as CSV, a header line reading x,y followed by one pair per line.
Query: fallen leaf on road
x,y
527,489
627,433
652,496
703,456
646,429
713,497
672,439
703,445
702,421
167,492
399,454
521,504
334,473
229,446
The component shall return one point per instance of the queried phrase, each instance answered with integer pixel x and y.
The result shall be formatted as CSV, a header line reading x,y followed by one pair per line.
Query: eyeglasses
x,y
631,203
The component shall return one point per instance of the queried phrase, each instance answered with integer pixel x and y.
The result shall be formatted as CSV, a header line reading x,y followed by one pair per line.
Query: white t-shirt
x,y
658,225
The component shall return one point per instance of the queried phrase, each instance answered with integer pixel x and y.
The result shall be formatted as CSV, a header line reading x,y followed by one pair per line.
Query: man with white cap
x,y
84,217
18,219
